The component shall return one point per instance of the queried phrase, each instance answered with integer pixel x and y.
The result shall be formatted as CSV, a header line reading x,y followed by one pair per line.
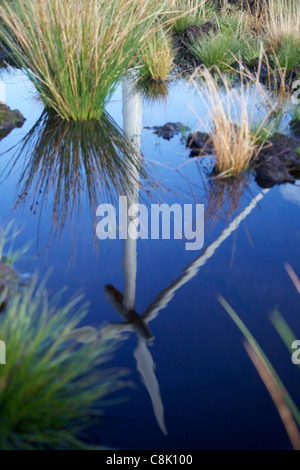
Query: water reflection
x,y
224,197
153,91
97,160
133,322
124,303
64,161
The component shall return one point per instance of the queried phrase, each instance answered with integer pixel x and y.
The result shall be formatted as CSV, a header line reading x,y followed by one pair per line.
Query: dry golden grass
x,y
282,20
229,123
239,118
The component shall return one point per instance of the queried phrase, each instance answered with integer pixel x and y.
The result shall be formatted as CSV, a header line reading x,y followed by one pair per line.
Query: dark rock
x,y
3,54
200,143
9,120
278,161
272,172
264,72
295,174
245,4
5,51
283,147
295,128
167,131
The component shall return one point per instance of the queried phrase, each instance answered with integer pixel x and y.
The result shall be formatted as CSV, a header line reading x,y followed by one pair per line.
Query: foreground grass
x,y
287,409
75,51
52,389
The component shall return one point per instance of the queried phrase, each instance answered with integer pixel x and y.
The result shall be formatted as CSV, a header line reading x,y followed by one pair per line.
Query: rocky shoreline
x,y
278,161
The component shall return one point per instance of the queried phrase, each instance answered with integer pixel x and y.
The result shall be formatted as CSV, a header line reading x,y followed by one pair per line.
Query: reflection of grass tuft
x,y
92,159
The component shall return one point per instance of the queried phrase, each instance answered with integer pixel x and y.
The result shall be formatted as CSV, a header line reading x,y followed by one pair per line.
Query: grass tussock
x,y
215,50
282,33
76,51
231,40
237,128
157,57
282,20
51,388
186,13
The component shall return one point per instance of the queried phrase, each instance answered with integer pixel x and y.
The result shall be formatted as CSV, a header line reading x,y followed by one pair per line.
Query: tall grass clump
x,y
232,116
287,54
75,51
282,20
52,389
231,39
157,57
282,33
186,13
215,50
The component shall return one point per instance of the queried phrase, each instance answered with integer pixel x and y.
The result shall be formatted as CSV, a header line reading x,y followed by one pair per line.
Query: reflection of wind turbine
x,y
165,296
124,303
139,324
192,269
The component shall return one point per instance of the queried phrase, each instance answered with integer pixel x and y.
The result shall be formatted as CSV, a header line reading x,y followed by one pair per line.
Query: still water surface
x,y
193,386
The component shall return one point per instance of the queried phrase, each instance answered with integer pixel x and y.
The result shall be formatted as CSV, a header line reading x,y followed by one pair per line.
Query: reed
x,y
286,407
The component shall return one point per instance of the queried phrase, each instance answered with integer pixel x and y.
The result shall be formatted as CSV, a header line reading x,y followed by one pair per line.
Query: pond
x,y
193,385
